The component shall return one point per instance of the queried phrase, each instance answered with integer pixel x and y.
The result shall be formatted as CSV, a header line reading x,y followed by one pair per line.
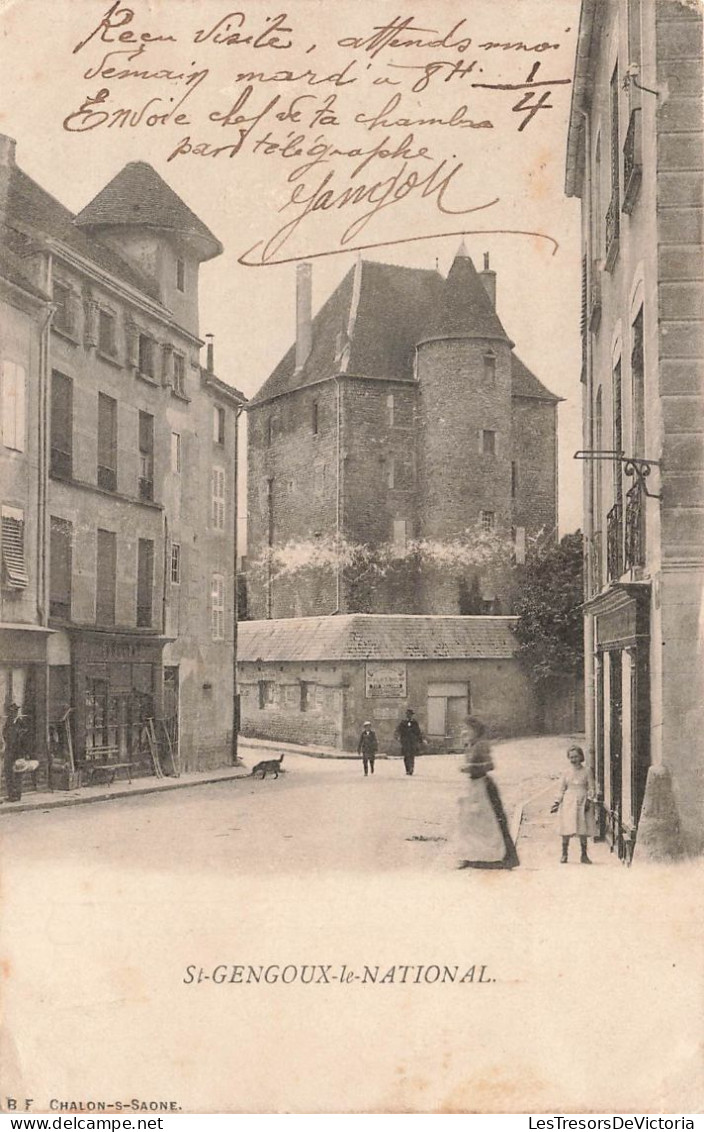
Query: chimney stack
x,y
210,354
7,164
304,308
488,279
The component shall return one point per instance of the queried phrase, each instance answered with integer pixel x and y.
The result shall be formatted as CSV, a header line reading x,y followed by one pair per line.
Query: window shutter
x,y
13,549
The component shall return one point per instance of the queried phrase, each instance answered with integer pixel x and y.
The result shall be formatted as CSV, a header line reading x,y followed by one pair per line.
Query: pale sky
x,y
250,310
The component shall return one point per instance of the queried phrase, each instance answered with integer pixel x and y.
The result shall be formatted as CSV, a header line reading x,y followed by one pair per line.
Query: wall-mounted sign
x,y
385,680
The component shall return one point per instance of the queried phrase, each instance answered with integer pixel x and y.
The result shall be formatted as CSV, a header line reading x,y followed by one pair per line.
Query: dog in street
x,y
267,766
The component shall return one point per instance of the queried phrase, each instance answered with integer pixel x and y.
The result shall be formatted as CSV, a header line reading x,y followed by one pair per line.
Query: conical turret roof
x,y
139,197
465,309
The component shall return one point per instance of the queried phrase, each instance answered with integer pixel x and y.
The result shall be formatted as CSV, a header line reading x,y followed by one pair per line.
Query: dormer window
x,y
180,275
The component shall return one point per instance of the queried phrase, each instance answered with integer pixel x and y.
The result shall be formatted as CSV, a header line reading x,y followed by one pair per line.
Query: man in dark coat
x,y
367,746
13,748
410,737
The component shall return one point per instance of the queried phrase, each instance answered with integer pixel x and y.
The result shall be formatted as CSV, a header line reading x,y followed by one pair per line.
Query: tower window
x,y
514,479
490,367
488,442
180,275
488,519
314,418
390,410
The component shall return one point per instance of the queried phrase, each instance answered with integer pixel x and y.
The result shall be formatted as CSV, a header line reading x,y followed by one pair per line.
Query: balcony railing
x,y
632,161
613,228
614,543
635,526
596,562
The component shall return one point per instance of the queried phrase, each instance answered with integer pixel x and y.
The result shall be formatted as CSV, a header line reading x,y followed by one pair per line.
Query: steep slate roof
x,y
30,206
397,307
366,636
526,384
464,309
137,195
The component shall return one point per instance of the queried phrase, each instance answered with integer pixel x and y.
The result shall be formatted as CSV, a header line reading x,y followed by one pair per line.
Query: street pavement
x,y
320,814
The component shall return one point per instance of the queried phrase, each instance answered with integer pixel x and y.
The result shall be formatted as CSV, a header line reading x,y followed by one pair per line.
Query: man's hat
x,y
410,711
367,723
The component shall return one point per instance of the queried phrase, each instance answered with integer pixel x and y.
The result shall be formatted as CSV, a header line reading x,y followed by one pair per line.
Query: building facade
x,y
635,158
131,457
401,413
315,680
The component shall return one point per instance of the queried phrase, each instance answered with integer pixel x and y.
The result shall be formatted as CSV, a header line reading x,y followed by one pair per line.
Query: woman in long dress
x,y
574,803
483,833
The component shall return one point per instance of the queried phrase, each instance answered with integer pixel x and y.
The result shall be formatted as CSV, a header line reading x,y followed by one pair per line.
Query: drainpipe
x,y
236,761
43,454
588,488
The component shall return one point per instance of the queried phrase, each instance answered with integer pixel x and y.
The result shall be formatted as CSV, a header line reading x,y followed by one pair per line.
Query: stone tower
x,y
464,375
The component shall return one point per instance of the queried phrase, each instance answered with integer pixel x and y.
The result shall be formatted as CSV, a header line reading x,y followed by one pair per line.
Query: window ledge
x,y
180,396
83,485
67,335
147,379
111,359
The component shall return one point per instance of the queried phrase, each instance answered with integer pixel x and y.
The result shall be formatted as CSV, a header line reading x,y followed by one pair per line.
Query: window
x,y
488,442
180,374
176,452
490,367
448,706
270,431
314,418
145,582
400,533
391,472
218,425
61,542
218,499
390,410
61,425
14,393
217,595
180,275
107,342
267,694
146,355
305,695
488,520
146,456
613,217
519,545
106,573
63,308
107,442
514,479
175,563
13,551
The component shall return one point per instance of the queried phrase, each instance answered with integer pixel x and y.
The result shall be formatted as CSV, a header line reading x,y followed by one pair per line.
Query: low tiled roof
x,y
138,196
526,384
366,636
30,207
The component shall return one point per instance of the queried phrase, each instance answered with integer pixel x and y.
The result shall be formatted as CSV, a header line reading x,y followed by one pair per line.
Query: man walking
x,y
367,746
13,735
410,737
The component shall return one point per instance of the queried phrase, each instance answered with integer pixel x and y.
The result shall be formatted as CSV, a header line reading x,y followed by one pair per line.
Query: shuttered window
x,y
60,573
146,456
107,442
145,582
13,549
106,572
218,607
61,425
218,501
14,393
